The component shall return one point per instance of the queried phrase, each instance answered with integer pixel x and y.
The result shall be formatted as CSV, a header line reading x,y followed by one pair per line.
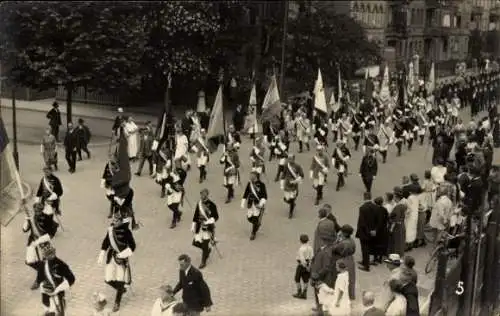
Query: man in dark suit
x,y
54,117
83,135
366,230
325,230
146,148
238,118
195,292
370,309
70,146
368,169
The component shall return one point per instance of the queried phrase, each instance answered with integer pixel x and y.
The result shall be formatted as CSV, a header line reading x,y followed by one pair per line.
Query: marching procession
x,y
382,128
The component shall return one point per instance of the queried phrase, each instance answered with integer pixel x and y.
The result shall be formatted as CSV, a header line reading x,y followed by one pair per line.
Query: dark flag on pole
x,y
120,181
165,127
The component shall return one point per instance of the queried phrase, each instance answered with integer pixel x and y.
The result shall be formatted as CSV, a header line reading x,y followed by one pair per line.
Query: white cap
x,y
394,258
319,147
120,110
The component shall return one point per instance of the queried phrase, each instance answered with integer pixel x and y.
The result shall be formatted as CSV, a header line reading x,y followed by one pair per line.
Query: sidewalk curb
x,y
10,214
88,116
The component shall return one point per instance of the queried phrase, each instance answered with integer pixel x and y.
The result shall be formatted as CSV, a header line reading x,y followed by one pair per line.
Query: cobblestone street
x,y
252,277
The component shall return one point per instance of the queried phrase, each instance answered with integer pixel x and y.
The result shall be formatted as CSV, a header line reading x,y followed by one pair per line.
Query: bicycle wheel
x,y
432,262
429,234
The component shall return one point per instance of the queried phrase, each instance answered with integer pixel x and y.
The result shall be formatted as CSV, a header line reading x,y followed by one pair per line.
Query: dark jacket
x,y
369,166
54,117
59,269
322,268
410,292
83,134
324,234
195,291
367,220
55,185
71,140
146,143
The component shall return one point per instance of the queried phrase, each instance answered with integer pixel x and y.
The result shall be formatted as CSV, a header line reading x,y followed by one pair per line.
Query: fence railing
x,y
82,95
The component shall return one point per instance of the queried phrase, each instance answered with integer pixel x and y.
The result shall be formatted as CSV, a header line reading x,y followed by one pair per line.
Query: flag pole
x,y
283,47
255,124
221,85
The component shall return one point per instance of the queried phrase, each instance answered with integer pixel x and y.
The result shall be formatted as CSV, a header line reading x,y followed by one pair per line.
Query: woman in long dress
x,y
336,301
345,249
397,231
49,149
131,131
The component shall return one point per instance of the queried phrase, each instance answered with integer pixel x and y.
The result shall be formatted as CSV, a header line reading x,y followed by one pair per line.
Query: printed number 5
x,y
460,288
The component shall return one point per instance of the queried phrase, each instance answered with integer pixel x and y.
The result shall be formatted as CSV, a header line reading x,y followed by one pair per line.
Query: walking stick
x,y
214,242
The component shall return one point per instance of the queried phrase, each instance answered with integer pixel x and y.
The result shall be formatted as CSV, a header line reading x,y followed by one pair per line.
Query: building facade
x,y
435,30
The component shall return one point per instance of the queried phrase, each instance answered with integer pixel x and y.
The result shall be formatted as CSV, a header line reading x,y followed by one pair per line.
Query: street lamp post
x,y
15,152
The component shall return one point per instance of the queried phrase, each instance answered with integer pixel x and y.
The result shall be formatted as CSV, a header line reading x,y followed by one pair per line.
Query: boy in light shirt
x,y
303,271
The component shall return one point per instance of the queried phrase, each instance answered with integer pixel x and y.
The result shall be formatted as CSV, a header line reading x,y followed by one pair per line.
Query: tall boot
x,y
230,193
340,182
255,228
35,284
201,173
422,140
301,146
308,146
205,254
384,156
163,191
304,292
356,142
299,291
291,205
410,144
399,146
119,294
110,210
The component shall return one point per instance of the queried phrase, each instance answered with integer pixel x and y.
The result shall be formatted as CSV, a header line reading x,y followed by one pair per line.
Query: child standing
x,y
303,271
336,301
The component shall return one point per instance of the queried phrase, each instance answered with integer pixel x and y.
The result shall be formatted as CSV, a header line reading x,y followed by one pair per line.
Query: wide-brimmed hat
x,y
394,258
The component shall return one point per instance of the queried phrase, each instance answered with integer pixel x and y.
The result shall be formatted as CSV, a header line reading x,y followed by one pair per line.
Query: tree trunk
x,y
69,103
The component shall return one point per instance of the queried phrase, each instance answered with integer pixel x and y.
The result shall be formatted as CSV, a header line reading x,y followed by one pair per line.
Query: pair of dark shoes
x,y
301,294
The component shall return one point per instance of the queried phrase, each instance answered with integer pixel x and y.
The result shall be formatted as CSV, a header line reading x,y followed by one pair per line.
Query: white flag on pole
x,y
319,94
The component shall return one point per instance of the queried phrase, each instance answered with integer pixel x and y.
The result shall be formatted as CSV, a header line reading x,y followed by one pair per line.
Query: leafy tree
x,y
180,40
322,38
72,44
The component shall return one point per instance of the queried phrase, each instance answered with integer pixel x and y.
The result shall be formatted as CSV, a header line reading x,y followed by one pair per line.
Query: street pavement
x,y
252,278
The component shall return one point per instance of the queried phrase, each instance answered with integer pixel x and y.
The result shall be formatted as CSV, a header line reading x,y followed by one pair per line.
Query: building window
x,y
459,21
445,44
